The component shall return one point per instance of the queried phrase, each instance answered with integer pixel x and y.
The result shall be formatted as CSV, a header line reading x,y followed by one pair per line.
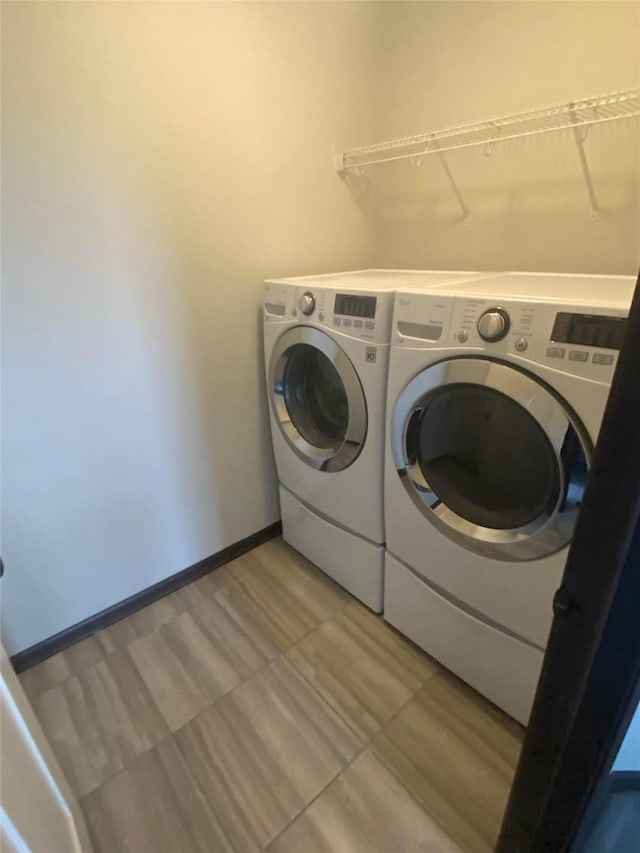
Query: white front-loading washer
x,y
496,392
326,344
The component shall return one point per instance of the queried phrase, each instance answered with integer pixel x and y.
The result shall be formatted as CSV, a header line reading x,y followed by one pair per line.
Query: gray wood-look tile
x,y
364,810
263,612
99,720
273,679
89,651
456,754
154,806
208,585
59,667
144,621
280,596
199,656
363,668
315,591
263,752
151,617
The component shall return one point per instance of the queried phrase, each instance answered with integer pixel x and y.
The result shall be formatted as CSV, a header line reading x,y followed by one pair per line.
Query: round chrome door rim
x,y
548,533
341,455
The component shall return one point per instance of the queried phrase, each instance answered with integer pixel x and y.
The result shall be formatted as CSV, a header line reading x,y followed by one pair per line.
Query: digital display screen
x,y
589,330
355,306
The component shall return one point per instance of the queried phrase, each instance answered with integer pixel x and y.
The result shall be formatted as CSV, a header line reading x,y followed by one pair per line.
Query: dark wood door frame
x,y
590,681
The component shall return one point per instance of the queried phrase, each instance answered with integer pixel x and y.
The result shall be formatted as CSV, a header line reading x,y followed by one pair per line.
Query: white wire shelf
x,y
577,116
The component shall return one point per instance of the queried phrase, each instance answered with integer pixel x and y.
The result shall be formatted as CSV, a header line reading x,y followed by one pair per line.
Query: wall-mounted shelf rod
x,y
581,113
578,116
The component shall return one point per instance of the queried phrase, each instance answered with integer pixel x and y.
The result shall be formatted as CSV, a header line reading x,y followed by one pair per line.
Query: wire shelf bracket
x,y
580,135
578,116
454,186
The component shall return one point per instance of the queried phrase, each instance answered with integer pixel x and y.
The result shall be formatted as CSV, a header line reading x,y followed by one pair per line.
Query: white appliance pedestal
x,y
497,664
354,562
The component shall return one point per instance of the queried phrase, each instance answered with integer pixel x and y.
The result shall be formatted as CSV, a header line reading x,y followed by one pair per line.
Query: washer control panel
x,y
356,313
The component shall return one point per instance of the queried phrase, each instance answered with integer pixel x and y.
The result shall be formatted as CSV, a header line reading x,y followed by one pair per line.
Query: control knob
x,y
307,303
493,325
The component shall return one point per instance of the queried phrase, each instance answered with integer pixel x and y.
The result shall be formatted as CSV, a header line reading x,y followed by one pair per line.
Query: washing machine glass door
x,y
317,399
492,457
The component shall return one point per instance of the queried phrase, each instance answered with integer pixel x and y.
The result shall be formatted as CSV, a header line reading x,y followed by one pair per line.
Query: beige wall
x,y
449,63
159,161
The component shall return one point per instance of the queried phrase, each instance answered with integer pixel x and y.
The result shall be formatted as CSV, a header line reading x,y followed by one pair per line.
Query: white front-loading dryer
x,y
496,393
326,344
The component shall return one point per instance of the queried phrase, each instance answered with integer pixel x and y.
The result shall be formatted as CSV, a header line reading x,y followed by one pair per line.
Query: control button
x,y
371,354
346,322
295,312
521,344
357,324
493,325
602,358
337,321
369,324
556,352
463,336
321,317
307,303
578,355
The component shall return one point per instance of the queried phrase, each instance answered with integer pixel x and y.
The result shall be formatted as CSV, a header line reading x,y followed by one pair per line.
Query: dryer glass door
x,y
317,399
491,457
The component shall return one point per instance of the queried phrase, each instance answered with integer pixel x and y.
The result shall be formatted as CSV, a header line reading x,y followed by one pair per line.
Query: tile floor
x,y
263,708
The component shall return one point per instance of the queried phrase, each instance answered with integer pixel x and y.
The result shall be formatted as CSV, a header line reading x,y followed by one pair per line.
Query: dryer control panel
x,y
581,339
594,330
352,312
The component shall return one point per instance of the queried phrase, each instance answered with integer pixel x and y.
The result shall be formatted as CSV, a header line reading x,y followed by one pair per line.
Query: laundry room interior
x,y
310,316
